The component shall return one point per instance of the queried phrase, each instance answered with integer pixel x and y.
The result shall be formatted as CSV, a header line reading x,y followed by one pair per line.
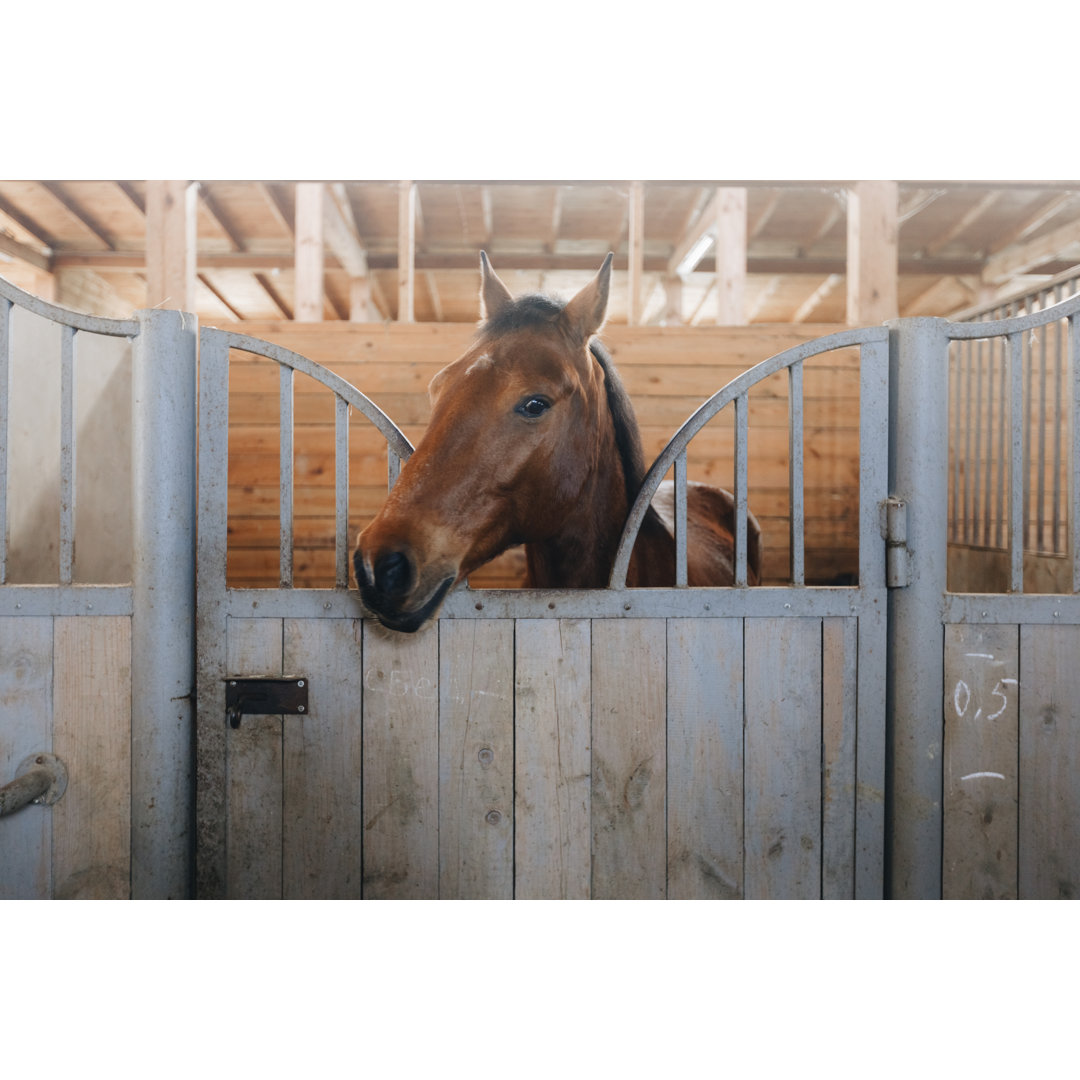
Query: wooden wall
x,y
668,371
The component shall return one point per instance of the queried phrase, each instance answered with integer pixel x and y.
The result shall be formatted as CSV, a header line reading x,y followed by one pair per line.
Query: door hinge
x,y
894,533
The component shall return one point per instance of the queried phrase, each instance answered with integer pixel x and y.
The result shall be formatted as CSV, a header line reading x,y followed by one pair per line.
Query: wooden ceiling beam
x,y
276,298
433,295
339,230
12,247
1025,256
761,219
635,251
977,211
406,252
133,196
703,225
916,202
654,264
79,213
557,196
308,290
488,214
279,205
1044,210
221,218
815,299
772,286
28,224
219,296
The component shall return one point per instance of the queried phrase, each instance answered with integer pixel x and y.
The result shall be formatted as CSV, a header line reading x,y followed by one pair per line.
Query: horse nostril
x,y
393,574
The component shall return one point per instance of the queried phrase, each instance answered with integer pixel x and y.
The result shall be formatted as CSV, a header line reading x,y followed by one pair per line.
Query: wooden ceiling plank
x,y
489,215
977,211
279,206
134,197
1024,256
433,295
872,263
764,295
1039,216
916,202
339,229
170,244
704,225
558,194
80,213
828,220
761,219
731,256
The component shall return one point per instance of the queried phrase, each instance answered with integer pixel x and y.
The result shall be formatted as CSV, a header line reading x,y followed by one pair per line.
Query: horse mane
x,y
535,310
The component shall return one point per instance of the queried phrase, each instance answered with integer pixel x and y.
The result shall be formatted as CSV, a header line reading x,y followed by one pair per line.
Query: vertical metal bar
x,y
1029,372
1074,457
1040,421
991,456
1003,440
1016,463
341,492
968,397
1058,428
795,460
977,460
285,559
954,439
873,460
67,454
163,451
680,520
742,445
5,428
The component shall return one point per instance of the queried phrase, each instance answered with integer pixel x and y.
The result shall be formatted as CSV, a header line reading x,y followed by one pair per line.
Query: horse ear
x,y
494,295
585,313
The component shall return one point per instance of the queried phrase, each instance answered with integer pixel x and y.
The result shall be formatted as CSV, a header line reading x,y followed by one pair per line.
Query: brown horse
x,y
533,441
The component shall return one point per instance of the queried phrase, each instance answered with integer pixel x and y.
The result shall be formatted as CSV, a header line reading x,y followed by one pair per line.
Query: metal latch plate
x,y
265,696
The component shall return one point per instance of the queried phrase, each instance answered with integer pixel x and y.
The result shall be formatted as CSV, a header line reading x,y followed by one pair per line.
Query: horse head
x,y
513,453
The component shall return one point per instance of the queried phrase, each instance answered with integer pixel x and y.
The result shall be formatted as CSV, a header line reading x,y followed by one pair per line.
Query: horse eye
x,y
534,406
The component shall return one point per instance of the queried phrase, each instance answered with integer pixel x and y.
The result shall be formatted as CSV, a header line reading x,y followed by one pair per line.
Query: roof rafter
x,y
79,213
814,300
1019,258
977,211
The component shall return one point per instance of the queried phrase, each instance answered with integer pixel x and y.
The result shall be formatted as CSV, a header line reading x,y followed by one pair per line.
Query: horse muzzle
x,y
396,594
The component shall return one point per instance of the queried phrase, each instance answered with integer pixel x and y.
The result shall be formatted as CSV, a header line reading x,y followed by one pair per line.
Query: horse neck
x,y
581,553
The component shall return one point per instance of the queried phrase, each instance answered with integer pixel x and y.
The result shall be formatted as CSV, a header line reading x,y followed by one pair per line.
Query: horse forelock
x,y
526,312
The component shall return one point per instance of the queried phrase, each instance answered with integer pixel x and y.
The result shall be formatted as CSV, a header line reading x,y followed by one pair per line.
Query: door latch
x,y
264,696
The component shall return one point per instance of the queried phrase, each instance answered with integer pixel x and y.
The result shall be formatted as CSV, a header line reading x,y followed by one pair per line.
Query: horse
x,y
533,440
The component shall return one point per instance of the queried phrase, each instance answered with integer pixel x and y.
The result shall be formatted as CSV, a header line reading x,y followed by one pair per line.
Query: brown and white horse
x,y
533,441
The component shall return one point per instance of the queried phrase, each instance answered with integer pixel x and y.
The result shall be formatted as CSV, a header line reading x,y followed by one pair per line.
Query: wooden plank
x,y
783,758
171,208
636,249
1049,862
406,250
309,252
552,703
979,800
629,759
872,265
476,760
253,780
322,818
26,699
705,759
839,682
401,764
92,736
730,256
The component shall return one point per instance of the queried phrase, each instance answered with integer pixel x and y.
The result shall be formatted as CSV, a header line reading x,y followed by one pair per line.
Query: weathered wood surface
x,y
548,759
669,371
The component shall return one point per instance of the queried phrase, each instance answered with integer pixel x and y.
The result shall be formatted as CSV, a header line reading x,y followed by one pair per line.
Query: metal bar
x,y
5,413
164,494
1029,371
954,441
680,520
285,560
1003,439
1074,457
94,324
393,468
991,456
1059,542
1016,463
977,462
742,439
1040,502
341,492
67,454
967,396
873,460
795,474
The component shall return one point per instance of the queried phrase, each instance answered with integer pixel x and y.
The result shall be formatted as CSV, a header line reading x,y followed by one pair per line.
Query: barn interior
x,y
378,281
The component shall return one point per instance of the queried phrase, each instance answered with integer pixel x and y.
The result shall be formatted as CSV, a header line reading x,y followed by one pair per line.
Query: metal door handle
x,y
40,778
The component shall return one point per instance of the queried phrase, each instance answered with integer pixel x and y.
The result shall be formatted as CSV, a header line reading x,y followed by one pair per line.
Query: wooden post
x,y
406,249
873,226
731,257
170,244
309,252
635,242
